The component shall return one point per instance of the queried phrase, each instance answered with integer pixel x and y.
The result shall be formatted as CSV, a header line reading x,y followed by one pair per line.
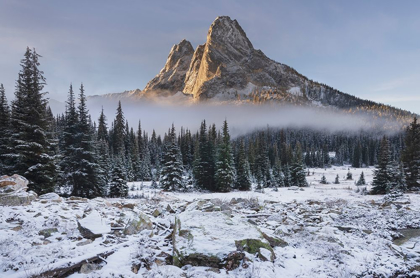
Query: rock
x,y
210,239
256,246
129,205
17,228
171,78
157,212
169,209
47,232
142,222
89,268
274,242
93,226
83,243
12,183
50,197
13,191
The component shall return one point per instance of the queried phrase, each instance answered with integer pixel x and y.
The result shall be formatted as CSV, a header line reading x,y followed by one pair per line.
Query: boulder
x,y
93,226
50,197
47,232
140,223
89,268
214,239
13,191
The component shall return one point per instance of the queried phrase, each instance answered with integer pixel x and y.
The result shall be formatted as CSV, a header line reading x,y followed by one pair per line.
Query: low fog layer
x,y
241,118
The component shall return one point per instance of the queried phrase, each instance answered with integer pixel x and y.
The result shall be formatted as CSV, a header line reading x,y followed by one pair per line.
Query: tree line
x,y
74,155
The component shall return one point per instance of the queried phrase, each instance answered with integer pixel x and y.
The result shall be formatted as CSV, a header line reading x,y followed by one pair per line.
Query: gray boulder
x,y
13,191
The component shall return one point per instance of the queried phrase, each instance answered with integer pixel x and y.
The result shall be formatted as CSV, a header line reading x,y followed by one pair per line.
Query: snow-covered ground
x,y
331,231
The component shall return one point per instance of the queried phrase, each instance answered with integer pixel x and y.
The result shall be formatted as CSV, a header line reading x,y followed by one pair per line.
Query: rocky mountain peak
x,y
171,78
225,32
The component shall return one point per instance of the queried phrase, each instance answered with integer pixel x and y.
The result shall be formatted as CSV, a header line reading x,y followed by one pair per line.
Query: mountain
x,y
228,69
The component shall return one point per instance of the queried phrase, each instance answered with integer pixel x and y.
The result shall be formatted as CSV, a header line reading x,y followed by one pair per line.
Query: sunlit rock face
x,y
170,79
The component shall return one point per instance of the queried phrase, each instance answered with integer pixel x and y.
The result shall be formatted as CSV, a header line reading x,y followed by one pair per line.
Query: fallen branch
x,y
68,270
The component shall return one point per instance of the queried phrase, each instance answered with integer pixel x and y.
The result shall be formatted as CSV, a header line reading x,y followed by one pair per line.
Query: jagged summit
x,y
171,78
227,68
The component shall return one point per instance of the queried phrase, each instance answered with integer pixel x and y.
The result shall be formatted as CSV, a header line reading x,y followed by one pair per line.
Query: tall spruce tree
x,y
4,130
70,145
411,155
243,180
30,146
171,175
204,161
225,170
87,182
297,169
118,183
382,178
119,131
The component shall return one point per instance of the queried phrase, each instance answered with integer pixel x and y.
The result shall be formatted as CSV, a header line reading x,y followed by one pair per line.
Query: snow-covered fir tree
x,y
30,151
297,169
4,130
243,179
118,183
337,180
361,180
323,180
383,178
86,177
225,169
411,155
171,175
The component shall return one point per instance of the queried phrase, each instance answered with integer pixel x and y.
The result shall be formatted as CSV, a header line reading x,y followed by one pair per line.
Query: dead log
x,y
65,271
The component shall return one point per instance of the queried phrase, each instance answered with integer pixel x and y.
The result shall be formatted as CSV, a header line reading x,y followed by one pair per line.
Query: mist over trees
x,y
73,154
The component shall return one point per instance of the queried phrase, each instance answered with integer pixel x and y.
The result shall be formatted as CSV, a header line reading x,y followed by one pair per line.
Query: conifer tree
x,y
287,176
349,176
324,180
70,145
297,169
411,155
204,161
337,180
171,174
382,179
225,170
243,180
30,145
4,130
118,184
87,182
119,132
278,173
361,180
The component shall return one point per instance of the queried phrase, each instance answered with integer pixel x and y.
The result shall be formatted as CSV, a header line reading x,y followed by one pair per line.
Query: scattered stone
x,y
137,225
13,191
169,209
89,268
129,205
156,213
50,197
93,226
17,228
83,243
47,232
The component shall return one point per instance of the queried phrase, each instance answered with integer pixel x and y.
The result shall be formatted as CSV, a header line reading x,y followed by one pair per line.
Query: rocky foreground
x,y
329,231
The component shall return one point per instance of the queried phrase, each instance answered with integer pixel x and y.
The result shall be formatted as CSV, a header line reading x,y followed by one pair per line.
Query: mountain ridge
x,y
228,69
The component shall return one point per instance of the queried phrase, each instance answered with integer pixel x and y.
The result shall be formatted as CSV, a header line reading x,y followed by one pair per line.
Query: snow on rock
x,y
211,238
93,225
13,191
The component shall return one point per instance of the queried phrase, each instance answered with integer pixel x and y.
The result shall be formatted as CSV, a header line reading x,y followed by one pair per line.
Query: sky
x,y
370,49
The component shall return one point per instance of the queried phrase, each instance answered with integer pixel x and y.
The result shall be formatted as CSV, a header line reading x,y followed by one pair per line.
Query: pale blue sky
x,y
370,49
